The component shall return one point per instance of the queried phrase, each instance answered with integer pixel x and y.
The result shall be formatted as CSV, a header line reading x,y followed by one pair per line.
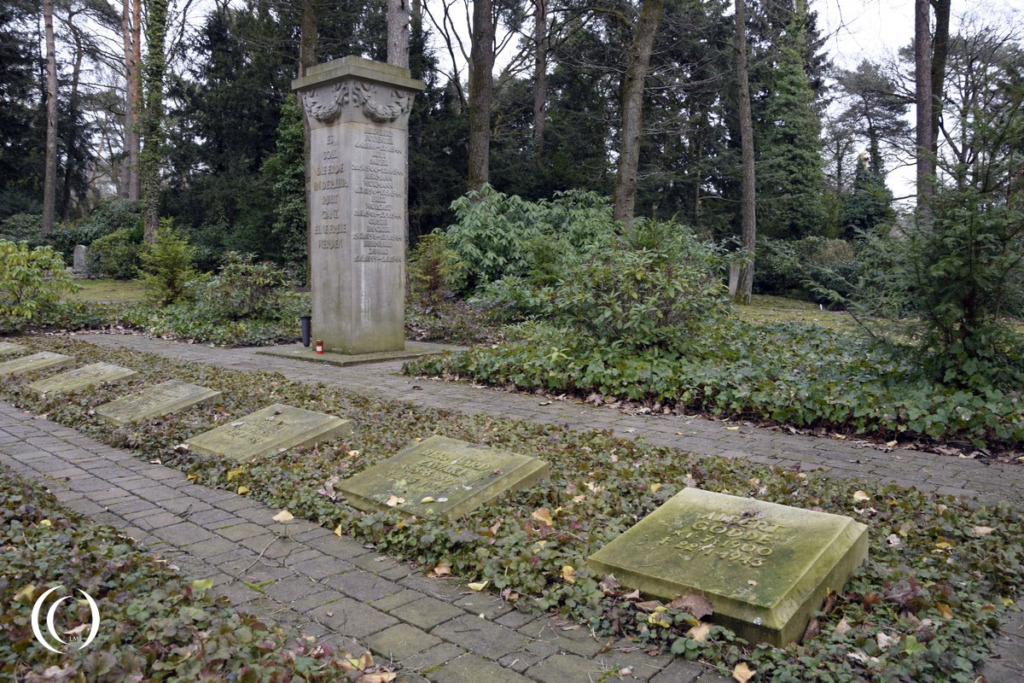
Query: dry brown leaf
x,y
384,677
695,604
542,515
843,627
609,584
743,673
441,569
283,516
886,641
478,586
860,496
569,574
394,500
648,605
982,530
813,629
700,632
944,610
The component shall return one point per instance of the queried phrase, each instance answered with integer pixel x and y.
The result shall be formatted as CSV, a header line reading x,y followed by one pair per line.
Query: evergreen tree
x,y
22,129
790,174
869,206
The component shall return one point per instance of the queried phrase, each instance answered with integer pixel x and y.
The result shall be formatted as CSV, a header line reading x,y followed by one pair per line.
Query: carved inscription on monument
x,y
438,468
741,541
328,182
378,193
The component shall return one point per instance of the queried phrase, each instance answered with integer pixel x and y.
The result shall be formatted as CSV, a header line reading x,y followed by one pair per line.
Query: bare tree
x,y
637,64
481,93
50,177
540,74
748,205
923,97
131,19
398,33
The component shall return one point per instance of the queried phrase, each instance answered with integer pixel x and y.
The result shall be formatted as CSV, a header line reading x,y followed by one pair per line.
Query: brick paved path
x,y
351,597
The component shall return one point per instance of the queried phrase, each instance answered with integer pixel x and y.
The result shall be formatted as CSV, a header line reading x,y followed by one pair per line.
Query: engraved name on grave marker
x,y
154,401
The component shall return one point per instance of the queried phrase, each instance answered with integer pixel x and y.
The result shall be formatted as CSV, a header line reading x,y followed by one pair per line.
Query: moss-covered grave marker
x,y
267,431
77,379
764,567
442,477
44,360
154,401
9,349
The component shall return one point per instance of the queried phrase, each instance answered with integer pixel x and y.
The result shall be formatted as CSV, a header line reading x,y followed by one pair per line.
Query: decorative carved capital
x,y
375,103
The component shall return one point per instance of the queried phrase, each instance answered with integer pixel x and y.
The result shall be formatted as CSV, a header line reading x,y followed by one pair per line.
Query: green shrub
x,y
435,271
117,254
168,265
31,280
814,269
497,235
22,227
658,287
244,289
108,217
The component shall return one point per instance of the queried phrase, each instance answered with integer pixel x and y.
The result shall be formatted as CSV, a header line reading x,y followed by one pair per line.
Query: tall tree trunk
x,y
540,75
940,51
131,16
748,201
923,98
50,177
398,33
481,93
76,75
637,63
307,59
152,118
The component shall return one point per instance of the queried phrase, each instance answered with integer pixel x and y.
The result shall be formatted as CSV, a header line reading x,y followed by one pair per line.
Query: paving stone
x,y
352,618
566,636
291,588
426,612
480,636
400,641
363,585
320,566
679,671
431,659
484,603
473,669
396,600
240,531
560,668
516,619
319,597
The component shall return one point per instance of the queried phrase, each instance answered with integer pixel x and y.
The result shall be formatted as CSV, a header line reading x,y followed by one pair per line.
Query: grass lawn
x,y
115,291
777,309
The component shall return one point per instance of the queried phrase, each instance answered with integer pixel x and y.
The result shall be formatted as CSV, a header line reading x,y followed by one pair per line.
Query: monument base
x,y
412,349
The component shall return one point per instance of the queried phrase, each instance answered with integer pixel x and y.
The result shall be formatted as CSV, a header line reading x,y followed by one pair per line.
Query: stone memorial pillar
x,y
358,115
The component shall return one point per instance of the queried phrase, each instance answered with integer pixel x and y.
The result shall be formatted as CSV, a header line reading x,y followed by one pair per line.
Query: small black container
x,y
307,334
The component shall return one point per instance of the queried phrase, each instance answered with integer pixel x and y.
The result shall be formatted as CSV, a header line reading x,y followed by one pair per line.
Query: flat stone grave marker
x,y
77,379
442,476
154,401
268,431
764,567
37,361
7,348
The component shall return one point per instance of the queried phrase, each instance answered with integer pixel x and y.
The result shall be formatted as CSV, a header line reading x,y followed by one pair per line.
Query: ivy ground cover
x,y
155,624
783,373
940,576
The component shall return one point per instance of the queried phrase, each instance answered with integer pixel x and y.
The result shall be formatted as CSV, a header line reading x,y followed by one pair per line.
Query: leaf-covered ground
x,y
154,624
940,575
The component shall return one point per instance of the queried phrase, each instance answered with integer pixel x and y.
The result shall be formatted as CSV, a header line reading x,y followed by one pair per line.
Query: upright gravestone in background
x,y
80,263
358,113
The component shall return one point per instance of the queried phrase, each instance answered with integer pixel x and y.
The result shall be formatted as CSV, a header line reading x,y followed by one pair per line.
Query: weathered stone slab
x,y
154,401
37,361
358,116
458,476
764,567
80,378
268,431
80,259
8,348
413,349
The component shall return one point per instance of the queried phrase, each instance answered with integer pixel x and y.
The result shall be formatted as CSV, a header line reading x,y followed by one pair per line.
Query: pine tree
x,y
869,206
789,173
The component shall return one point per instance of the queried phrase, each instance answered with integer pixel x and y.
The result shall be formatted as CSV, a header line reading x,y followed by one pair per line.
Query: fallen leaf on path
x,y
743,673
478,586
441,569
283,516
242,490
394,500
